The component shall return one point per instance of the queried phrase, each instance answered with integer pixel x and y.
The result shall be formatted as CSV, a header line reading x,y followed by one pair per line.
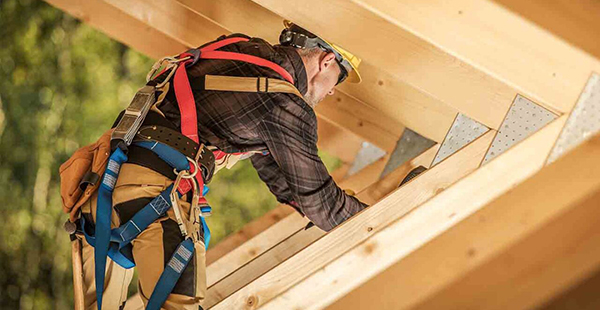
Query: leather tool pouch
x,y
80,176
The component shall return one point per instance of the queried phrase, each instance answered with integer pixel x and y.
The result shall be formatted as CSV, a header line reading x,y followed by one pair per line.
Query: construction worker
x,y
233,98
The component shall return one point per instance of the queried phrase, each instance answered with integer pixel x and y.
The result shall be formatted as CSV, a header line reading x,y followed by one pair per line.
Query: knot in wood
x,y
251,302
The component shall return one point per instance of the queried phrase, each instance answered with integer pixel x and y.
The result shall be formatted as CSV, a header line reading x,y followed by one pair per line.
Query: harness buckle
x,y
205,159
193,54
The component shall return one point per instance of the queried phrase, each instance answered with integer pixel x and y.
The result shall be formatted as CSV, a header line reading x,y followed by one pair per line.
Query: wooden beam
x,y
119,26
372,194
256,238
514,253
254,247
500,43
403,54
362,120
288,237
385,93
283,277
247,264
422,113
247,232
192,29
337,141
338,278
575,21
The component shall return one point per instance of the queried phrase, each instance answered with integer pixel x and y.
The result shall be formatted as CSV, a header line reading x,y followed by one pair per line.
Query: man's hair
x,y
309,52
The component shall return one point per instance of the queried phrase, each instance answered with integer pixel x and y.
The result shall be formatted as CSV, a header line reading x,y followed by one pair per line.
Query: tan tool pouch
x,y
80,176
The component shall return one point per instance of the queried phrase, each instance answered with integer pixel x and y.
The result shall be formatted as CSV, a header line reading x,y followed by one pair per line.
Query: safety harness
x,y
193,163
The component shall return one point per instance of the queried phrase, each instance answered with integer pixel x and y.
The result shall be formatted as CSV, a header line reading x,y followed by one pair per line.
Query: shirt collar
x,y
297,66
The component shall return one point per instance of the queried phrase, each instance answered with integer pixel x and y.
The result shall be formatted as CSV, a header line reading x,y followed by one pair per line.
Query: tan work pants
x,y
152,249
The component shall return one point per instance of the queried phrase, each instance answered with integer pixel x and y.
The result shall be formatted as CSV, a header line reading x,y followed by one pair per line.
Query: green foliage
x,y
62,84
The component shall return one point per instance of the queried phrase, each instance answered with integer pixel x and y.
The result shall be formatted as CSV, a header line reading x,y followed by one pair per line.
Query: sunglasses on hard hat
x,y
298,37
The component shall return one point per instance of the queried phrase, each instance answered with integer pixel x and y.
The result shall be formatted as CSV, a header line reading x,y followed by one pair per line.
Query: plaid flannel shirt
x,y
282,124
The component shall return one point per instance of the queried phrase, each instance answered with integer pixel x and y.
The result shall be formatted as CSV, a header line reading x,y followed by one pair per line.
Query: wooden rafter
x,y
498,42
260,235
575,21
404,55
376,253
256,227
514,253
285,275
247,232
287,237
380,90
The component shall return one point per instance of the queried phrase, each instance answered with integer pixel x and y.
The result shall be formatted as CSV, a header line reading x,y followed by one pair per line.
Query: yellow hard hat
x,y
296,36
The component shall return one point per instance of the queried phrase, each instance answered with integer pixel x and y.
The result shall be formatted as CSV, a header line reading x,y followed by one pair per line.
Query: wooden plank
x,y
575,21
180,23
514,253
358,228
329,139
397,100
582,296
247,232
281,240
256,238
422,113
298,238
336,279
404,55
254,247
496,41
120,27
372,194
362,120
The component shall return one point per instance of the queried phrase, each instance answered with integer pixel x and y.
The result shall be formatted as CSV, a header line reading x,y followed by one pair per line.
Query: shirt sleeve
x,y
290,133
269,172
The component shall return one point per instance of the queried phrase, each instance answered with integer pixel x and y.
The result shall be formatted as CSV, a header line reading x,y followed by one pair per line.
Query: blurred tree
x,y
61,85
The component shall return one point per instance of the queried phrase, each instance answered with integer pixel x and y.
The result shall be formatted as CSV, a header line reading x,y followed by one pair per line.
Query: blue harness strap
x,y
103,215
173,270
116,243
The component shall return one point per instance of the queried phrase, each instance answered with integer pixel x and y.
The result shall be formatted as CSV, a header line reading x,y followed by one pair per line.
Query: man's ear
x,y
326,61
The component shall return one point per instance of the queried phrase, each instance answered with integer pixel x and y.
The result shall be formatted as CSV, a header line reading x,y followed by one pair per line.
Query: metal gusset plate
x,y
367,155
523,119
410,145
464,130
583,122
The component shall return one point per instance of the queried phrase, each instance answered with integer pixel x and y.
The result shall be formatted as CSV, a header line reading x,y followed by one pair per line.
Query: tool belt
x,y
144,137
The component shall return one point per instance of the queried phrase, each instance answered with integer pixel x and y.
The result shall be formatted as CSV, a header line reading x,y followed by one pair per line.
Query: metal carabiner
x,y
172,65
181,222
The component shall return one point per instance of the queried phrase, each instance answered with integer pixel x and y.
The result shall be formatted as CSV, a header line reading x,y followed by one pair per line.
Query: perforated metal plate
x,y
464,130
410,145
367,155
524,118
583,122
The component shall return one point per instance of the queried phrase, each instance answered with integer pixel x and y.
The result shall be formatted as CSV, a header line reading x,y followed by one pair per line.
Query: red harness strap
x,y
185,97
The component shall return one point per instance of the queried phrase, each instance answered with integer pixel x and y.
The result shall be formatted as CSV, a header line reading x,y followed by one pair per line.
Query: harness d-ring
x,y
185,174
